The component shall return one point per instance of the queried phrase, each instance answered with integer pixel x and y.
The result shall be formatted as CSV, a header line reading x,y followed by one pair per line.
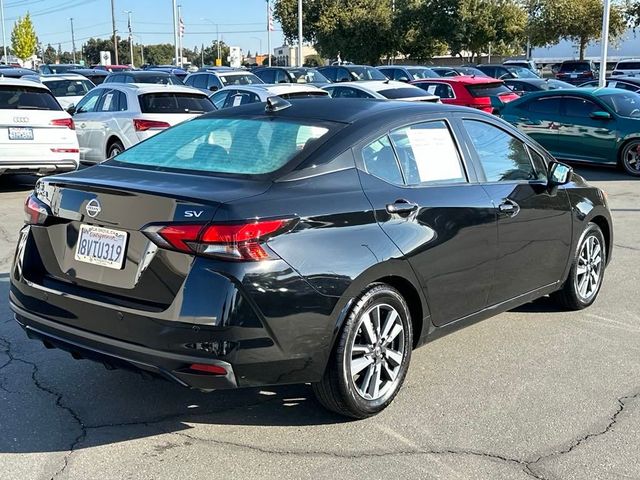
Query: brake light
x,y
65,150
35,212
238,241
63,122
142,125
211,369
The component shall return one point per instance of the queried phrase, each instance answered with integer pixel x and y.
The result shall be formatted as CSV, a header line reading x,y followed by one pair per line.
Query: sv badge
x,y
192,213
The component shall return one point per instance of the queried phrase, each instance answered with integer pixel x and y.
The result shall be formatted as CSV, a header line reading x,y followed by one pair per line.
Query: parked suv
x,y
143,76
629,68
115,116
214,79
408,73
577,71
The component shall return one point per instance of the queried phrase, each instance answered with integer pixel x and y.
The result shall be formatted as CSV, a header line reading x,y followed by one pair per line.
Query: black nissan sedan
x,y
312,241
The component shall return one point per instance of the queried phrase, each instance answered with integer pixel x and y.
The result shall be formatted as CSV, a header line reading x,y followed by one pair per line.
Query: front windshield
x,y
159,79
307,75
420,73
69,88
239,79
366,73
625,104
521,72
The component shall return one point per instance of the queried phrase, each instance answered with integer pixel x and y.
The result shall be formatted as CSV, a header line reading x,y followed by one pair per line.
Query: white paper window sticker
x,y
237,99
432,89
435,154
107,102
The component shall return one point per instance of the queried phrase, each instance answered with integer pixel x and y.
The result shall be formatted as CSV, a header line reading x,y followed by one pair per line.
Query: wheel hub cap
x,y
589,268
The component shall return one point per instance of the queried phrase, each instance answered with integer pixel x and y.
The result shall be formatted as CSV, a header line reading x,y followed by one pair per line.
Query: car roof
x,y
142,73
142,88
18,82
342,110
61,76
373,85
93,71
463,79
274,88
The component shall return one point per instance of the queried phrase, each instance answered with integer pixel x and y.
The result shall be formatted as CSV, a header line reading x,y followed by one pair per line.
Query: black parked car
x,y
313,241
527,85
577,71
502,72
93,74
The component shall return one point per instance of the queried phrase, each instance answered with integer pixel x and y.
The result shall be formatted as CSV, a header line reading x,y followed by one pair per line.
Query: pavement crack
x,y
627,247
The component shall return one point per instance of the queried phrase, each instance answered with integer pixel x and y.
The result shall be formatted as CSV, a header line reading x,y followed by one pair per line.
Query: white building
x,y
287,55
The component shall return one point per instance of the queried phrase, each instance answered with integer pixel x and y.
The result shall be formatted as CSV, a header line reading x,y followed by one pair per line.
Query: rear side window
x,y
546,106
380,161
628,66
578,107
503,157
442,90
174,103
241,98
227,145
428,154
113,101
487,89
26,98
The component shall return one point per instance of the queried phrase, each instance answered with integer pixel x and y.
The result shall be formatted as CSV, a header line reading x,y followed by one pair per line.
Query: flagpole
x,y
269,31
180,34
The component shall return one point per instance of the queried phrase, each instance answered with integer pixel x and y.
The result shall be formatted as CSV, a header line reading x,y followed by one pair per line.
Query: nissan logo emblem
x,y
21,119
93,208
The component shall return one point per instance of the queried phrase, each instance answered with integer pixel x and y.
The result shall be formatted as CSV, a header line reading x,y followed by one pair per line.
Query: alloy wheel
x,y
377,352
589,268
631,158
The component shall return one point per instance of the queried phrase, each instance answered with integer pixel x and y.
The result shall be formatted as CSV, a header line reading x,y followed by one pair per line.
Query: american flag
x,y
270,15
181,23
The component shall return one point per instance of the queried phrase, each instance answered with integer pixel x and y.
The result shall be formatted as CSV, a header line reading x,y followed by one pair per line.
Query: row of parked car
x,y
131,105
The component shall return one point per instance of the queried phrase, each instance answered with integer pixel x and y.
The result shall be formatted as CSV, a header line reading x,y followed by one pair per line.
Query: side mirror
x,y
403,79
559,174
71,109
600,115
213,88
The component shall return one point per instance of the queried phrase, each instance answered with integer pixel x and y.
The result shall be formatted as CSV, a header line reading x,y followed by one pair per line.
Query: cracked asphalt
x,y
532,393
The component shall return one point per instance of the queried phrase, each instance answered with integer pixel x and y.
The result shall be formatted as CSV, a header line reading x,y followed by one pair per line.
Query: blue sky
x,y
241,22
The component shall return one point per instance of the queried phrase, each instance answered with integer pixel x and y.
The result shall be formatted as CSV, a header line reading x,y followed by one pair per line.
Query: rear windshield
x,y
69,88
366,73
407,92
305,75
240,146
521,72
488,89
321,94
61,68
174,103
625,104
239,79
575,67
159,79
419,73
628,66
26,98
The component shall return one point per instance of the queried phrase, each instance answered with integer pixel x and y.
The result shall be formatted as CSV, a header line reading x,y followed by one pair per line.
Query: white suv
x,y
629,68
116,116
36,134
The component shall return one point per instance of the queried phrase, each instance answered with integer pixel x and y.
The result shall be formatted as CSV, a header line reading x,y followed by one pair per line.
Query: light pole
x,y
259,40
602,78
115,36
180,35
129,12
217,38
175,35
73,42
4,37
299,33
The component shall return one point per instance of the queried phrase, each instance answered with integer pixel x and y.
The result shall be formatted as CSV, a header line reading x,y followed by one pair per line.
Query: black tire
x,y
114,149
570,295
339,390
630,158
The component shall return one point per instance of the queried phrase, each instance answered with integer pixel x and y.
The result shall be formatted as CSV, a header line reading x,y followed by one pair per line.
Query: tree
x,y
49,55
579,21
23,38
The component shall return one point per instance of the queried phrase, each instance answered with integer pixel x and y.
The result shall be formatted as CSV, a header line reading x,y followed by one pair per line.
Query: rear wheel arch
x,y
413,300
110,142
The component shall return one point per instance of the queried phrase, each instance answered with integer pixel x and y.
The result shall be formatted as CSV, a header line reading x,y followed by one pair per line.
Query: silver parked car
x,y
387,90
116,116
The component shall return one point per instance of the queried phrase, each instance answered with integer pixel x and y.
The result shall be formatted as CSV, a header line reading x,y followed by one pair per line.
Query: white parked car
x,y
241,95
116,116
68,88
388,90
36,134
629,68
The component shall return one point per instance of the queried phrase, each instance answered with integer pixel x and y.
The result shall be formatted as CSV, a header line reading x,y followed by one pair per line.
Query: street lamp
x,y
217,37
129,12
4,37
259,40
602,78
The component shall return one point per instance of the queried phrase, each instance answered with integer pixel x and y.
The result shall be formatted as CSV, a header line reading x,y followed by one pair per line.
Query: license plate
x,y
20,133
101,246
573,75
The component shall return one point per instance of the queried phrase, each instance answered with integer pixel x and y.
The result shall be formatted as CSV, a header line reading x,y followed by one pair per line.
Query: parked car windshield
x,y
366,73
240,146
488,89
26,98
69,88
419,73
239,79
406,92
61,68
575,67
625,104
305,75
171,102
521,72
158,79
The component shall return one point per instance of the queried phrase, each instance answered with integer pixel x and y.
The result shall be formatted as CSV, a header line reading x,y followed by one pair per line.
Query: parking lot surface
x,y
532,393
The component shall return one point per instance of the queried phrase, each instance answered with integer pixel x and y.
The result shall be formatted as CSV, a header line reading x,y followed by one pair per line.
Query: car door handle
x,y
509,208
402,207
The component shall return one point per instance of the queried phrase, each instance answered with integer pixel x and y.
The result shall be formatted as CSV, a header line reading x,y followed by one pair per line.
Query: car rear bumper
x,y
42,167
118,354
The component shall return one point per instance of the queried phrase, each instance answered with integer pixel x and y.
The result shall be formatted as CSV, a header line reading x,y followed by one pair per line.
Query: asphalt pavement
x,y
532,393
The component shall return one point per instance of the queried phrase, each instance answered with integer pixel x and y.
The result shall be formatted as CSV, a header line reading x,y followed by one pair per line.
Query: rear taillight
x,y
142,125
63,122
35,212
206,368
237,241
65,150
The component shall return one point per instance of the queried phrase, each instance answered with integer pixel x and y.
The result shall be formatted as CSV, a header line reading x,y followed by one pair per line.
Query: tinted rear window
x,y
575,67
61,68
239,79
174,103
407,92
488,89
159,79
628,66
69,88
26,98
240,146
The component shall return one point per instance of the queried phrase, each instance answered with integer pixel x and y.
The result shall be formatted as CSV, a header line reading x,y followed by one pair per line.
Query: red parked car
x,y
468,91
